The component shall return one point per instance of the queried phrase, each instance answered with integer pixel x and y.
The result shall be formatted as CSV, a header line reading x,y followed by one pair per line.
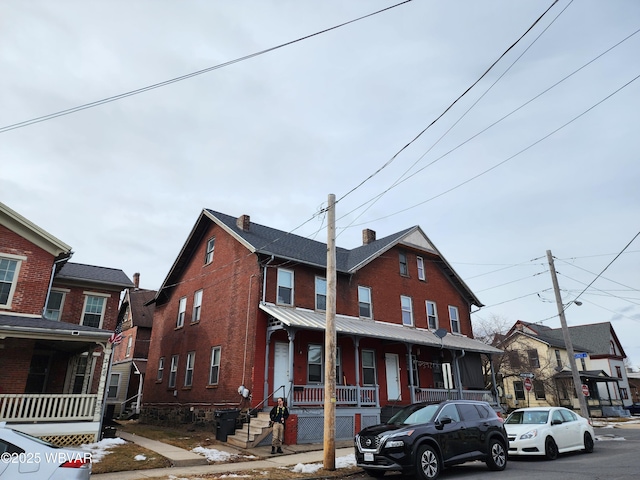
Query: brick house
x,y
130,355
243,306
56,318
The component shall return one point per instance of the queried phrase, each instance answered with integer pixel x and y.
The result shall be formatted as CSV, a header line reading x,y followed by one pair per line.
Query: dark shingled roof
x,y
595,337
142,314
91,273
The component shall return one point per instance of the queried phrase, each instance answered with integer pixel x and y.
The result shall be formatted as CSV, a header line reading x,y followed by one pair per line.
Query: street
x,y
616,456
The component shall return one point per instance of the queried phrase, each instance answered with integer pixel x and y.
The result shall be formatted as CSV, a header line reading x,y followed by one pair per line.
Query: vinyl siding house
x,y
56,319
244,306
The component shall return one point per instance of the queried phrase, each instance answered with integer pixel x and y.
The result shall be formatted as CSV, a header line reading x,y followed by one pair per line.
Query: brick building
x,y
56,318
243,306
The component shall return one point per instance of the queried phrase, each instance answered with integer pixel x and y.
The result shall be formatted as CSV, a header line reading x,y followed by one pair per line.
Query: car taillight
x,y
500,416
76,463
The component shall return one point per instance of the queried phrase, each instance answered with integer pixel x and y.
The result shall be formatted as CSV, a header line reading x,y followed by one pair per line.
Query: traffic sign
x,y
585,390
579,355
528,384
527,375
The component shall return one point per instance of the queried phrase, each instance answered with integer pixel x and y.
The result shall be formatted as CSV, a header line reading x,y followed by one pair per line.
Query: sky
x,y
540,154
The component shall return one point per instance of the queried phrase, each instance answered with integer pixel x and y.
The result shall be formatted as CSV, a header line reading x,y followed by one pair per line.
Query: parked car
x,y
634,408
424,438
23,457
548,431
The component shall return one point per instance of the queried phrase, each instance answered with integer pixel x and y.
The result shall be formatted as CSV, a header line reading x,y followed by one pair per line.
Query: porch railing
x,y
345,395
439,395
46,407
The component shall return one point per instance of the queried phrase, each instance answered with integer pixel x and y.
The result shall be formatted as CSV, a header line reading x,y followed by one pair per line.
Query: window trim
x,y
16,274
538,388
435,314
182,312
160,373
422,274
321,363
530,359
317,294
369,303
279,285
210,250
403,310
518,390
117,385
88,294
173,371
217,365
372,367
197,306
61,291
188,370
453,308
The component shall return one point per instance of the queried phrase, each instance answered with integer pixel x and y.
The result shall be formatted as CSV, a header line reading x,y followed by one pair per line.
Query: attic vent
x,y
368,236
243,222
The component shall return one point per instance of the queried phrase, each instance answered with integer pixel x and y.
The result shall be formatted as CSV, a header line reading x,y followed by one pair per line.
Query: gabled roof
x,y
595,337
551,341
141,312
78,272
288,246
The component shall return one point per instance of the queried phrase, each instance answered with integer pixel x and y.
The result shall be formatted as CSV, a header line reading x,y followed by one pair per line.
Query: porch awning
x,y
355,326
42,328
596,376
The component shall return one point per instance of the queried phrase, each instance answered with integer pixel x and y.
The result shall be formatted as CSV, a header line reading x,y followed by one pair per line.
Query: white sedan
x,y
548,431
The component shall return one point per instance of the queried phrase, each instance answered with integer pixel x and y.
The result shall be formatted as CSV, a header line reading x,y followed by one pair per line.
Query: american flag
x,y
116,336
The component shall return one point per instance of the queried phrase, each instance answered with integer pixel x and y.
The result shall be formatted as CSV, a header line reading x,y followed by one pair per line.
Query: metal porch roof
x,y
346,325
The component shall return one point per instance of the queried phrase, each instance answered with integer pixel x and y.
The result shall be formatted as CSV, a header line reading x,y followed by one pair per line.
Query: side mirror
x,y
556,421
443,421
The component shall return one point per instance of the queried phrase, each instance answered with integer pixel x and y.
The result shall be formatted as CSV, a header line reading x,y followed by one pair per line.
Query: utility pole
x,y
577,383
330,342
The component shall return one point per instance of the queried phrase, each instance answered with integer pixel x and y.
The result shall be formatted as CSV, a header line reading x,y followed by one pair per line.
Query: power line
x,y
181,78
605,278
512,281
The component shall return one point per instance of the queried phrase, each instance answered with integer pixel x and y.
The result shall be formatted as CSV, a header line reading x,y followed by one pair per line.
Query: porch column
x,y
356,343
412,393
456,372
266,368
291,332
104,374
493,380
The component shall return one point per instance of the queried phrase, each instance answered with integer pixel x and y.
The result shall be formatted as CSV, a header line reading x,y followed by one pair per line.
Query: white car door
x,y
561,431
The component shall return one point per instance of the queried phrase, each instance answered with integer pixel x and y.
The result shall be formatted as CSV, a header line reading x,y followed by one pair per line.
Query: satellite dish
x,y
440,333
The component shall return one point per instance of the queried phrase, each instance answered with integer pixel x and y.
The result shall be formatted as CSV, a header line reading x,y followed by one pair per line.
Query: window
x,y
173,373
80,374
160,369
197,306
618,372
518,388
182,310
404,266
421,274
188,373
368,367
583,363
208,258
449,411
534,362
558,360
514,359
568,415
624,394
114,380
214,371
407,311
432,315
314,364
538,389
285,287
129,343
54,305
321,293
364,302
93,311
453,318
9,269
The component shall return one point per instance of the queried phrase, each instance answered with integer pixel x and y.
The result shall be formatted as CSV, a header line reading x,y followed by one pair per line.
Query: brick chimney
x,y
136,280
368,236
243,222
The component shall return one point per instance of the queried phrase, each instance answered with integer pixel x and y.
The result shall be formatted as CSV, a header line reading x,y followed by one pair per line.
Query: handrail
x,y
128,400
255,409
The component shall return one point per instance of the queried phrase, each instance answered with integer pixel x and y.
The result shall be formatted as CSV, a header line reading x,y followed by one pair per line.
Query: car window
x,y
528,417
449,411
469,412
414,414
6,447
557,416
485,411
568,415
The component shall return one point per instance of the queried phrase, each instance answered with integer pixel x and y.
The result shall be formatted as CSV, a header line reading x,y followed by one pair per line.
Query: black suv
x,y
424,438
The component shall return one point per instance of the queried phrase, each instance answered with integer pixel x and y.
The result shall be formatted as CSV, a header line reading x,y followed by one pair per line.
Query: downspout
x,y
53,272
246,329
457,371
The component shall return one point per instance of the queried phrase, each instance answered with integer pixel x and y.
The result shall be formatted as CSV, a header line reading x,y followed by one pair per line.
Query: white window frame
x,y
315,346
88,295
14,280
111,385
173,371
160,373
362,301
406,307
63,293
197,307
454,319
432,315
215,363
280,284
211,246
188,370
129,344
182,312
370,367
421,272
321,291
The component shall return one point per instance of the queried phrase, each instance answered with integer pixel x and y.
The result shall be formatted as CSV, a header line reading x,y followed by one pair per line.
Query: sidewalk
x,y
188,463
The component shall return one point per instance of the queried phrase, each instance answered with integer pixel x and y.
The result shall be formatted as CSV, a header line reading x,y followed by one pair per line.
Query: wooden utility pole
x,y
584,410
330,342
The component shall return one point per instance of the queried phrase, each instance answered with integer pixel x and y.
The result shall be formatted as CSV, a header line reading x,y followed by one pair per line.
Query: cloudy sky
x,y
541,154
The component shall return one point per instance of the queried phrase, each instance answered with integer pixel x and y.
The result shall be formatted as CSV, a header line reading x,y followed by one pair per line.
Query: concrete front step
x,y
258,430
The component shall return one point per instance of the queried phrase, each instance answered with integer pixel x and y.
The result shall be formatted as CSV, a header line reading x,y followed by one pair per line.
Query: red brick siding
x,y
15,359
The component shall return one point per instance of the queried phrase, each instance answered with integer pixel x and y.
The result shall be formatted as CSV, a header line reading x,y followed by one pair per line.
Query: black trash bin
x,y
226,423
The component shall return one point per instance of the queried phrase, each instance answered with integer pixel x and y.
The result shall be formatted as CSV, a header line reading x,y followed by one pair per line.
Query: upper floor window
x,y
558,359
368,367
514,359
93,312
211,244
112,389
364,302
407,311
618,372
314,364
182,310
160,369
214,370
454,319
54,305
129,344
173,372
534,361
197,306
321,293
432,315
9,269
188,374
421,274
404,266
285,287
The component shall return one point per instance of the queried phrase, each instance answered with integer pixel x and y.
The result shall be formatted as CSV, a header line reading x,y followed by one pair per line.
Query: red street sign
x,y
585,390
528,384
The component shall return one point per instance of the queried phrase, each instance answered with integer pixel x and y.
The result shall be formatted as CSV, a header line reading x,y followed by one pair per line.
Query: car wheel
x,y
428,463
497,459
550,449
374,473
588,442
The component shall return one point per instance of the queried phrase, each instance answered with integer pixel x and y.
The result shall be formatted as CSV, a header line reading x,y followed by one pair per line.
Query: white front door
x,y
281,368
392,366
